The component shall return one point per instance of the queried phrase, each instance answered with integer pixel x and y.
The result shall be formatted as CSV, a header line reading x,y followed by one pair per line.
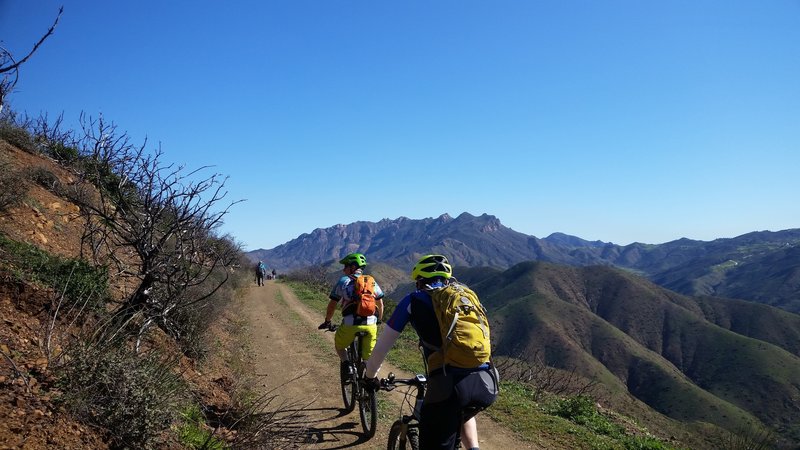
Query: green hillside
x,y
653,344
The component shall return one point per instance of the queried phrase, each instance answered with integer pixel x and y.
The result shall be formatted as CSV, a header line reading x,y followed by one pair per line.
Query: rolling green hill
x,y
652,343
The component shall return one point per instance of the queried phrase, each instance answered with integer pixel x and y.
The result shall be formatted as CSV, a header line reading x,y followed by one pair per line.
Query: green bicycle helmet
x,y
354,258
430,266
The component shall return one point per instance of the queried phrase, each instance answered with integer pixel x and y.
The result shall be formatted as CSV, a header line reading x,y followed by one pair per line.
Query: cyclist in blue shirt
x,y
453,395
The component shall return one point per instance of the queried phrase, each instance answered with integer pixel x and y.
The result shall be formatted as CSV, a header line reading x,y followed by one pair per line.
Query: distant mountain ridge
x,y
760,266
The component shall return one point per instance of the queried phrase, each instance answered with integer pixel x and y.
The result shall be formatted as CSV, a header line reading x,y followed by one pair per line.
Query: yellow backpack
x,y
463,325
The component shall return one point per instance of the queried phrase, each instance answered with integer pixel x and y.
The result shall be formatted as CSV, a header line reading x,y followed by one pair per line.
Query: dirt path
x,y
289,350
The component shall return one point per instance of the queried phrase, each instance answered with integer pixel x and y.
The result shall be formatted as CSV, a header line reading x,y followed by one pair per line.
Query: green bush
x,y
644,443
582,410
134,397
62,152
192,432
75,278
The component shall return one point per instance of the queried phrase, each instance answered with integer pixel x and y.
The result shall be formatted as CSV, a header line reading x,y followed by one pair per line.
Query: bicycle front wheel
x,y
368,410
398,440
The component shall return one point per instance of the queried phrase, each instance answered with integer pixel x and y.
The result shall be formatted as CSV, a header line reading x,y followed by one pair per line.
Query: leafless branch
x,y
17,371
15,65
8,64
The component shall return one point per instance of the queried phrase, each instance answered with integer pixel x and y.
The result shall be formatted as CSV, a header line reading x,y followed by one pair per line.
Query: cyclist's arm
x,y
394,326
331,309
336,295
385,342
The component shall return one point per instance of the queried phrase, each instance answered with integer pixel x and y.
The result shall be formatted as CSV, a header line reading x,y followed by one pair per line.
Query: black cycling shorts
x,y
450,400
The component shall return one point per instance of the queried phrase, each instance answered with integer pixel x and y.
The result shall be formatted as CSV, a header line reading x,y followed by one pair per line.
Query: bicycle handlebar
x,y
389,383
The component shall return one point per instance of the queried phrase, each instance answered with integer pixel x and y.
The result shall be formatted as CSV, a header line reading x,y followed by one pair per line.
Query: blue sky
x,y
619,121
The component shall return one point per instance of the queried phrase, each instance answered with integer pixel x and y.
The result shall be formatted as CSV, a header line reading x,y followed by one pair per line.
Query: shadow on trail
x,y
341,412
343,435
347,435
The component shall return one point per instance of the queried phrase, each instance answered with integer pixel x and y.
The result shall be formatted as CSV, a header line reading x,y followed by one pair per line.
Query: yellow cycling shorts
x,y
346,333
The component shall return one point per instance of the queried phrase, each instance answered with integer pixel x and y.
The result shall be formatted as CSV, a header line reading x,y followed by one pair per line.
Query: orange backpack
x,y
364,295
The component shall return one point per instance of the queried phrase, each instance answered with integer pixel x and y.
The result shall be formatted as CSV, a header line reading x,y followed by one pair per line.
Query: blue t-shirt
x,y
416,308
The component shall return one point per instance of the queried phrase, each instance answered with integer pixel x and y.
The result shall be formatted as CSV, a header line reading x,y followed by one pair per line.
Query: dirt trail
x,y
286,353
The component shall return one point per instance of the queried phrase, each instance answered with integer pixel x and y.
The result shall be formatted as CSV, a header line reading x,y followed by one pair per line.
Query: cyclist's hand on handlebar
x,y
324,325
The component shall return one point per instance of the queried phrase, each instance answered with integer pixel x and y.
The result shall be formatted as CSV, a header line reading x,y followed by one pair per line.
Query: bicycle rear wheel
x,y
349,387
400,441
368,410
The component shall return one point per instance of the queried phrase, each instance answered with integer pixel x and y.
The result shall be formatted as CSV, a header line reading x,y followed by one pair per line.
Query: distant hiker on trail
x,y
274,274
361,302
261,271
461,378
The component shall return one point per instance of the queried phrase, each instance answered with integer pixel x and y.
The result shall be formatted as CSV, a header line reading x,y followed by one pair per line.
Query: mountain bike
x,y
353,389
404,433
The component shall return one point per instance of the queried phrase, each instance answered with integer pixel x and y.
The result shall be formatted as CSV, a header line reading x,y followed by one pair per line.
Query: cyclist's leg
x,y
368,341
469,434
474,392
341,340
440,419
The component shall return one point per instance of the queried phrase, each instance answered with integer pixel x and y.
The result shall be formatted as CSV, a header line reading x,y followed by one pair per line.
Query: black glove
x,y
372,384
324,325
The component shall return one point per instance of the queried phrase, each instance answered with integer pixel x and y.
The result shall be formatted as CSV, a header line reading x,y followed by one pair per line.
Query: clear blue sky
x,y
619,121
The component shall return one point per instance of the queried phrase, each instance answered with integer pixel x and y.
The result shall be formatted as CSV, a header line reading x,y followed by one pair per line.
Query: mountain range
x,y
763,266
705,333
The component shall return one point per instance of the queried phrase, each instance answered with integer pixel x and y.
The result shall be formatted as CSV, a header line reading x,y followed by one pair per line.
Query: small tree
x,y
154,224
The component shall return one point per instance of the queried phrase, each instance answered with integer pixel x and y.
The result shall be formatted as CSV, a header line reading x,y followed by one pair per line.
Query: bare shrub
x,y
315,276
162,217
754,437
53,140
12,186
530,369
44,178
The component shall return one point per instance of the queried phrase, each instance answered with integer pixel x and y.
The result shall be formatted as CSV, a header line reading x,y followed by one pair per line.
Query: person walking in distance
x,y
454,334
360,299
261,271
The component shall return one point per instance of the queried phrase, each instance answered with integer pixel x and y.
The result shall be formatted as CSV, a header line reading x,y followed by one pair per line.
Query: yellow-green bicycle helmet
x,y
354,258
430,266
